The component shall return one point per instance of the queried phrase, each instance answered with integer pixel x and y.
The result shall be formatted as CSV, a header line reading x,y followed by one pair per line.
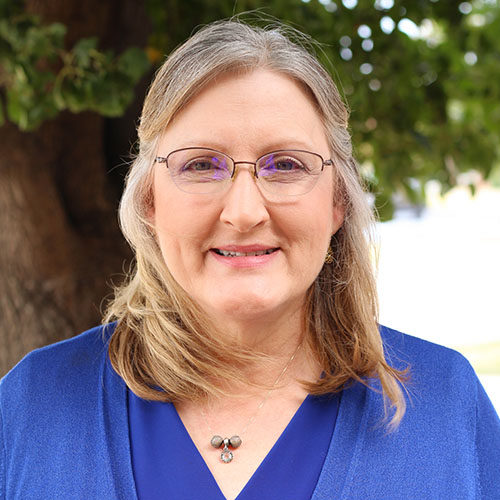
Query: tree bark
x,y
60,245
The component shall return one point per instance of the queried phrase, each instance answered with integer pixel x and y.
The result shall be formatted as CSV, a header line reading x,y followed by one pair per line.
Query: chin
x,y
244,309
252,308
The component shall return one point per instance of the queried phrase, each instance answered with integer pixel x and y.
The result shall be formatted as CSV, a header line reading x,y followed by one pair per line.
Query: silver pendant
x,y
226,455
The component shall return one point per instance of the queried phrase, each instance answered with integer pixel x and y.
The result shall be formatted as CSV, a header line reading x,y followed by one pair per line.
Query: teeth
x,y
244,254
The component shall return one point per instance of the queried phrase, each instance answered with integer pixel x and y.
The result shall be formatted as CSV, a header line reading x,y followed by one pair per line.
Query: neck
x,y
273,337
271,334
275,341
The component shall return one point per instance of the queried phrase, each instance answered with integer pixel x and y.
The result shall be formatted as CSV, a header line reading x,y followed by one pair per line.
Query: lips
x,y
254,250
246,257
233,253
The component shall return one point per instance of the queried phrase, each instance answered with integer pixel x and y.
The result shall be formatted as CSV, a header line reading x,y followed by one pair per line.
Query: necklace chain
x,y
235,441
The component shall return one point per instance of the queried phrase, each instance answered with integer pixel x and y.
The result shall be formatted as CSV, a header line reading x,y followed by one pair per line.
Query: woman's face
x,y
246,116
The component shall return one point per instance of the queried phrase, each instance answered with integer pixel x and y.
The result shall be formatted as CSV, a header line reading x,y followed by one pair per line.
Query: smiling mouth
x,y
226,253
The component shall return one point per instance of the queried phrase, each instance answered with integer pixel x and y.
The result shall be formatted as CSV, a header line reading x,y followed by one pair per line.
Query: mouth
x,y
227,253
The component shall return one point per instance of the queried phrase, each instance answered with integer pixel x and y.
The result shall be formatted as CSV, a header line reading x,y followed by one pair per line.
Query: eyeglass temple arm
x,y
160,159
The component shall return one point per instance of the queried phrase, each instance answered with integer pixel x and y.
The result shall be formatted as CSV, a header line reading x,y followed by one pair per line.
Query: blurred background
x,y
422,81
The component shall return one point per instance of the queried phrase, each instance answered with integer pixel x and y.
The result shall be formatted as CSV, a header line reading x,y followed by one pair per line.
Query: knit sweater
x,y
64,430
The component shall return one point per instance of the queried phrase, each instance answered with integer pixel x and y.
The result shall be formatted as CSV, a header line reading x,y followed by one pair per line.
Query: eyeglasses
x,y
203,170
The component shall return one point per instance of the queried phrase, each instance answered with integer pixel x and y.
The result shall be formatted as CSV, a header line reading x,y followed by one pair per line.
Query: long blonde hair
x,y
163,345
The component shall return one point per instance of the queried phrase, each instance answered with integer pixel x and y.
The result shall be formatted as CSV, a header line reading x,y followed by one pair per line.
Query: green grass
x,y
485,358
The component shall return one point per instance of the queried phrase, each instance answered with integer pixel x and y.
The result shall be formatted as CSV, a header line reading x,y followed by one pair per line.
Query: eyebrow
x,y
270,147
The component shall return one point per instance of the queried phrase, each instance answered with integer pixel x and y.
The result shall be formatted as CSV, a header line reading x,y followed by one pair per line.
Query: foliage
x,y
39,77
421,77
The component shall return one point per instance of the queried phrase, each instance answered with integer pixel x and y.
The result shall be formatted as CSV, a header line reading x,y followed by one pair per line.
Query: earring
x,y
329,259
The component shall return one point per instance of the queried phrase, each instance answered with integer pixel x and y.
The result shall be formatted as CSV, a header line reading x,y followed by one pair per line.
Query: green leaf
x,y
16,112
57,30
133,63
82,51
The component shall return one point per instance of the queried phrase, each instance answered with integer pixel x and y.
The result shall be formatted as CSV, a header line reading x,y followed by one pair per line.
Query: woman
x,y
245,360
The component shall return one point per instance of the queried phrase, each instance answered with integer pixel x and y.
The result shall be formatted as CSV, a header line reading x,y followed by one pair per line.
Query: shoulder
x,y
66,366
449,418
439,379
447,444
443,393
56,405
63,357
423,357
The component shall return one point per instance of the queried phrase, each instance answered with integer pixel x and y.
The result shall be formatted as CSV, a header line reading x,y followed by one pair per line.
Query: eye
x,y
203,169
280,164
287,164
201,164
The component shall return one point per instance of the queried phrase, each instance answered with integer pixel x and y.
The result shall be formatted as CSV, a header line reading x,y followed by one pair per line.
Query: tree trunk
x,y
60,245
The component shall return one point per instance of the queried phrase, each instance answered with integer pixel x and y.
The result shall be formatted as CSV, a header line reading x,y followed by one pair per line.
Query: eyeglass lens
x,y
198,170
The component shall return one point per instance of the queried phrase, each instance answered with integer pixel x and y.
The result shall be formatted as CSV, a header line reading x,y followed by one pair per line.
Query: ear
x,y
338,218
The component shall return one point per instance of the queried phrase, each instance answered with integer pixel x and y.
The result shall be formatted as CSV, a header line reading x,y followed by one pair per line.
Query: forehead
x,y
258,108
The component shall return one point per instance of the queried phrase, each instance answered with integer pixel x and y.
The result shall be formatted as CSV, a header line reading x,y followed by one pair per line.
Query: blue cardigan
x,y
64,430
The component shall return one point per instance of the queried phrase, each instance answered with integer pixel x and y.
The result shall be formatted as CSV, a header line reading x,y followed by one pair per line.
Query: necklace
x,y
235,441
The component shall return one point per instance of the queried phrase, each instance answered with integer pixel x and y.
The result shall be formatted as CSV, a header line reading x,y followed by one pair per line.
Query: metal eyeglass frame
x,y
164,159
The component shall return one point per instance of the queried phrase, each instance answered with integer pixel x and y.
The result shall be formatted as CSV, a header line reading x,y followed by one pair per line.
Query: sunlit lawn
x,y
439,277
485,358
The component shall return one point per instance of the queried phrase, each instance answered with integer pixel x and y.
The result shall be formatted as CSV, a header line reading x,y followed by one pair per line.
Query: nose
x,y
244,206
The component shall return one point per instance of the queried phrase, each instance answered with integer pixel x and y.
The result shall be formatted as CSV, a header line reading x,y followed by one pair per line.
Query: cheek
x,y
183,228
324,218
168,227
179,237
180,250
171,221
310,235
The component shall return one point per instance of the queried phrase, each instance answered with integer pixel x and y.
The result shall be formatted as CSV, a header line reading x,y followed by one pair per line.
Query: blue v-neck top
x,y
167,464
65,433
